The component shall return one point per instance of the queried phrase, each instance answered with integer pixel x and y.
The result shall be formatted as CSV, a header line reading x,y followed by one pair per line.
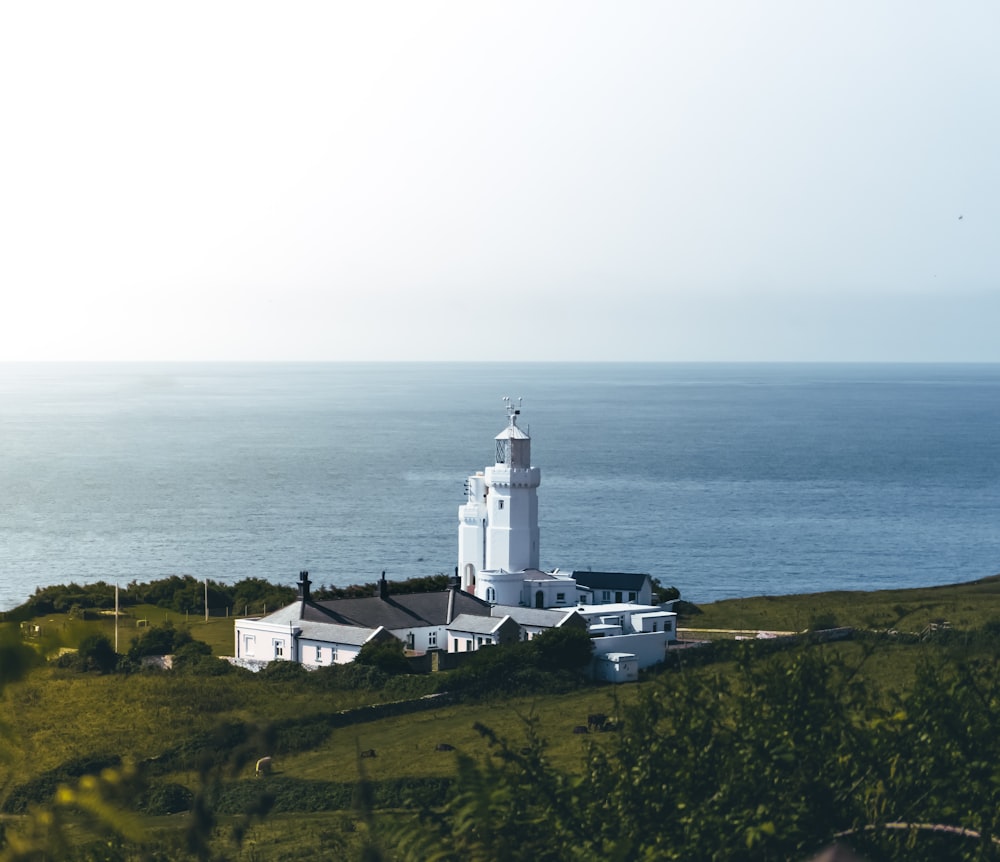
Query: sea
x,y
724,480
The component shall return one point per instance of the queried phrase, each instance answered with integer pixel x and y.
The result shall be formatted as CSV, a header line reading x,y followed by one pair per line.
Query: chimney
x,y
383,587
304,584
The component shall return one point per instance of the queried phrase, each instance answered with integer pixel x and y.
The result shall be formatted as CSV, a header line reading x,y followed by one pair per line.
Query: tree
x,y
387,655
16,659
159,640
97,653
563,649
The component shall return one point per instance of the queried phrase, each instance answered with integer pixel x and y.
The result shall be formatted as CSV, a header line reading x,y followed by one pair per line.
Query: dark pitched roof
x,y
610,580
396,612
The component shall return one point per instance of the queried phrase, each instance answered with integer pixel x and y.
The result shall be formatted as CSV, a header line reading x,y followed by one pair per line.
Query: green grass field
x,y
57,717
964,606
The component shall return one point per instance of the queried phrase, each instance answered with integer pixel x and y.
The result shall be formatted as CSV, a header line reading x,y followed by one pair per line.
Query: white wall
x,y
422,637
551,590
649,648
623,670
328,654
460,641
260,641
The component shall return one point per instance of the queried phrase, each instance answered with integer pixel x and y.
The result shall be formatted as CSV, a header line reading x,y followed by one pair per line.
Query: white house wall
x,y
260,641
424,639
316,653
649,648
469,641
551,590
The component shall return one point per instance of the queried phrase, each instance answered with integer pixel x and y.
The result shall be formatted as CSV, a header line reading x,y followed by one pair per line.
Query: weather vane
x,y
512,411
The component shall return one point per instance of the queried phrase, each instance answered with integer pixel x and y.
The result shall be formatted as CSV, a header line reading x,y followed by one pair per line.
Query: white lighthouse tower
x,y
498,524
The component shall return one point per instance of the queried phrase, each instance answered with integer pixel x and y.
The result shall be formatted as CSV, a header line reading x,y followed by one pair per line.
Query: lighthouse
x,y
498,523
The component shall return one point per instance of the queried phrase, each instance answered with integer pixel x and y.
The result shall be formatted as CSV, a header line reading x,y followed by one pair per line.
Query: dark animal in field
x,y
444,746
597,720
581,728
369,753
263,767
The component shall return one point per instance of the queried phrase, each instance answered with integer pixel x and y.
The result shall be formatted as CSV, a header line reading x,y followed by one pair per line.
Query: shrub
x,y
189,653
15,658
97,653
159,640
821,621
348,677
283,670
165,798
563,649
386,655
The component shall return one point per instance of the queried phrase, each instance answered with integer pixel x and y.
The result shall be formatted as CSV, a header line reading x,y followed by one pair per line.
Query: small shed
x,y
617,667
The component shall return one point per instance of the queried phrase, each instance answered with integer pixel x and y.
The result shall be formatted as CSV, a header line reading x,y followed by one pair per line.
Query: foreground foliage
x,y
757,751
770,763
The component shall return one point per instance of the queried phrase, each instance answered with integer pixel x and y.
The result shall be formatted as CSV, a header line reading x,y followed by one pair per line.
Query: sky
x,y
647,181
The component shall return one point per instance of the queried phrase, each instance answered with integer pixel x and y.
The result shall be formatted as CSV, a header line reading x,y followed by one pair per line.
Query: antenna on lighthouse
x,y
512,411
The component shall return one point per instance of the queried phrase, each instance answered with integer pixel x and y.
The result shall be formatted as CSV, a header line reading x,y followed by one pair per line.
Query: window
x,y
279,649
633,597
606,596
560,598
468,646
333,653
319,655
249,644
432,639
491,595
618,596
410,641
654,626
499,504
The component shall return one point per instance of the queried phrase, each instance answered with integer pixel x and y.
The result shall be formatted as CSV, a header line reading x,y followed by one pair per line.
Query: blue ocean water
x,y
723,480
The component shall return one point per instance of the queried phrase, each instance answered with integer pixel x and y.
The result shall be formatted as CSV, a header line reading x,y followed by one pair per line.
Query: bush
x,y
563,649
348,677
283,670
664,594
16,659
189,653
41,789
97,653
159,640
386,655
166,798
822,621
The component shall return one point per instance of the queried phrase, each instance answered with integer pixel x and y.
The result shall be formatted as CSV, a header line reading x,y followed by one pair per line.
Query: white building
x,y
469,633
616,667
498,562
602,588
498,523
501,594
318,633
533,621
644,631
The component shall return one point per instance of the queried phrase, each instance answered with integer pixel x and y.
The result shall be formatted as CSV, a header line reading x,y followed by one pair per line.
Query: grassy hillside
x,y
189,729
964,606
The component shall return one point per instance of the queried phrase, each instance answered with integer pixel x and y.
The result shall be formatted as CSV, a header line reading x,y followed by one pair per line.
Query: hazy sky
x,y
532,180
